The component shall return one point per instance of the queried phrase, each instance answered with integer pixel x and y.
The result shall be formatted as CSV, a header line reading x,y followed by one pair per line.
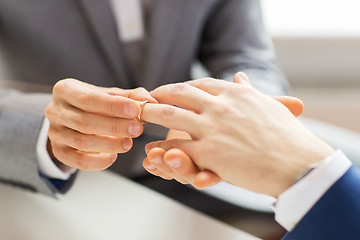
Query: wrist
x,y
301,162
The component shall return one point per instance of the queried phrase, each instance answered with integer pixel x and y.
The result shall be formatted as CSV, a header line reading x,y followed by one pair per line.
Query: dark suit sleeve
x,y
235,40
336,215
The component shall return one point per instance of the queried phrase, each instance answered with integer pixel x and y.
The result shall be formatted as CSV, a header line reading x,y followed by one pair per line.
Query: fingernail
x,y
147,148
134,130
151,167
175,163
244,76
114,157
131,110
127,143
157,160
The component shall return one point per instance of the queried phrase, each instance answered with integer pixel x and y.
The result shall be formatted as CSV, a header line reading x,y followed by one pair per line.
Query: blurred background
x,y
318,48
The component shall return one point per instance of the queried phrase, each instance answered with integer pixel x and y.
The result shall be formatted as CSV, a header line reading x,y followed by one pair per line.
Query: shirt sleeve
x,y
293,204
47,167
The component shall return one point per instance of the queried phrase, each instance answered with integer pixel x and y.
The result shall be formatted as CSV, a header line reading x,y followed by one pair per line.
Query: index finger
x,y
88,99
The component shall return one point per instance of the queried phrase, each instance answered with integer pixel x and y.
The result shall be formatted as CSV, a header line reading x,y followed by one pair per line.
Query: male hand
x,y
175,164
89,125
242,135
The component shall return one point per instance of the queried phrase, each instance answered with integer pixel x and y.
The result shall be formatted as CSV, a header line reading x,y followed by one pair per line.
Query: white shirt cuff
x,y
293,204
46,165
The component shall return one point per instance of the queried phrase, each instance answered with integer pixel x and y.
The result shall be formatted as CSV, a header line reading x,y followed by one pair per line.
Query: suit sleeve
x,y
235,40
336,215
21,117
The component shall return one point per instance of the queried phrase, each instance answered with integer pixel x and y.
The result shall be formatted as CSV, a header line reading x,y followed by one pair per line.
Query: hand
x,y
174,164
89,125
242,135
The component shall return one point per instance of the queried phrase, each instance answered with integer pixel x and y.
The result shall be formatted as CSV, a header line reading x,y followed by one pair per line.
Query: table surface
x,y
102,205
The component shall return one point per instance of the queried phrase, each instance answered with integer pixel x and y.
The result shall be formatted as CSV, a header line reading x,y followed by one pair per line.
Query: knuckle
x,y
111,105
167,113
48,111
178,88
60,86
80,142
239,90
220,109
84,99
212,124
52,112
210,101
116,129
207,79
57,137
81,124
52,132
141,90
200,83
57,151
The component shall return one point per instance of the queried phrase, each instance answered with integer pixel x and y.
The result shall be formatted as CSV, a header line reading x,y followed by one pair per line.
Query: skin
x,y
177,165
237,133
90,125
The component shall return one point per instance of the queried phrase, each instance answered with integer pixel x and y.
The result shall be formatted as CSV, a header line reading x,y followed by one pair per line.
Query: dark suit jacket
x,y
336,215
43,41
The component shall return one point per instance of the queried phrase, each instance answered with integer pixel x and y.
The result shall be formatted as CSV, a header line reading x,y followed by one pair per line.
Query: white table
x,y
105,206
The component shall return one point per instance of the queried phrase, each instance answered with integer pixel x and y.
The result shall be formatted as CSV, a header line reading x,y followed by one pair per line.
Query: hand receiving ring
x,y
142,105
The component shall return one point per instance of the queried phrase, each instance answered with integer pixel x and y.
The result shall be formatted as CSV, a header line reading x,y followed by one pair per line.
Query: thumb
x,y
295,105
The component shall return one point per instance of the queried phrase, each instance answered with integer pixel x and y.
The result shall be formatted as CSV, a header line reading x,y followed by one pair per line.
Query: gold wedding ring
x,y
142,105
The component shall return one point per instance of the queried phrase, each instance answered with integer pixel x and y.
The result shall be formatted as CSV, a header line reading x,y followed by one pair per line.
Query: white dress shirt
x,y
293,204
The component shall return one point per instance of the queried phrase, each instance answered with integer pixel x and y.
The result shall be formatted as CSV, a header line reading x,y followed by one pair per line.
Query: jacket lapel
x,y
164,21
99,17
